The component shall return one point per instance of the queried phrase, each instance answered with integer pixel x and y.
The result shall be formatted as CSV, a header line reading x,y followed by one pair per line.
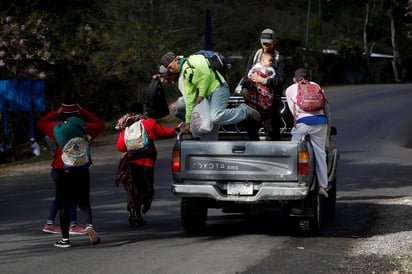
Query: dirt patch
x,y
388,247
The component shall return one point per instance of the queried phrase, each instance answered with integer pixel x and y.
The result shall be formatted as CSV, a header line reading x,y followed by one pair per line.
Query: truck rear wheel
x,y
193,213
330,203
310,225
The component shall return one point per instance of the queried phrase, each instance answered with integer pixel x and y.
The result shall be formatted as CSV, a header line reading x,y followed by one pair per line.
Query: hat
x,y
167,58
70,108
301,73
267,36
163,71
32,140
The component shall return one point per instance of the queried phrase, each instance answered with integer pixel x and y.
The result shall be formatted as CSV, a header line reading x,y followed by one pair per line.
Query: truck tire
x,y
330,203
310,225
193,213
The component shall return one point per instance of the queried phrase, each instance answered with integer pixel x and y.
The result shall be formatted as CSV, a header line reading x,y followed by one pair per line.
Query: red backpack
x,y
310,96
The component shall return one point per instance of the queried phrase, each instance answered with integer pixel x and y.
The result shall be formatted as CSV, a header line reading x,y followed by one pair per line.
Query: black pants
x,y
143,178
276,120
253,126
73,184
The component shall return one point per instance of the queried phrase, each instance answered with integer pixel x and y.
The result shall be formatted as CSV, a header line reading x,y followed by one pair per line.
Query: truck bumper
x,y
264,193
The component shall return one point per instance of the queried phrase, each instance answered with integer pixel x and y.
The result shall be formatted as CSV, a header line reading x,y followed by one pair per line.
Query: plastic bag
x,y
200,122
155,103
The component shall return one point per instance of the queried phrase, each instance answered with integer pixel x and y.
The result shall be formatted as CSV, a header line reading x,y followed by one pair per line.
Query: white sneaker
x,y
62,244
323,192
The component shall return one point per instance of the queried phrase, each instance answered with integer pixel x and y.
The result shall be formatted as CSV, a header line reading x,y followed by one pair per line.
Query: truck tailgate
x,y
239,160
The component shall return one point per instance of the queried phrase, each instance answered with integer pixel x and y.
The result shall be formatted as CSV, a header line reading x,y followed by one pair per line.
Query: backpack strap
x,y
189,74
210,67
300,82
256,58
294,114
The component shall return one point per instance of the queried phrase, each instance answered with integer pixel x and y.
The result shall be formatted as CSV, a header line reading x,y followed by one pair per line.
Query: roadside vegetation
x,y
104,52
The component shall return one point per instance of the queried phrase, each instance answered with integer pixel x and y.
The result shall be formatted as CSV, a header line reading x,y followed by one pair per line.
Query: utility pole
x,y
307,25
208,30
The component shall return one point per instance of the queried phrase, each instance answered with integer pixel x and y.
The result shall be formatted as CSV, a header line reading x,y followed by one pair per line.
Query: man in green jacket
x,y
201,81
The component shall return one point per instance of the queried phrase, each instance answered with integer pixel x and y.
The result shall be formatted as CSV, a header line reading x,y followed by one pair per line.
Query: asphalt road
x,y
374,127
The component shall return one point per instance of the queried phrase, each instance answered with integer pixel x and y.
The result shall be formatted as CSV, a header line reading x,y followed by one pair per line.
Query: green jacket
x,y
72,127
199,80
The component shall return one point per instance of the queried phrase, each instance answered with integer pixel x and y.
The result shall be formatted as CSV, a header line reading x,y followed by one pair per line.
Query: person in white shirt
x,y
33,150
35,147
315,124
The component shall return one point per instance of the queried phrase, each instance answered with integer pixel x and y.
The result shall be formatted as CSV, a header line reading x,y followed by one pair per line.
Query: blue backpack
x,y
217,61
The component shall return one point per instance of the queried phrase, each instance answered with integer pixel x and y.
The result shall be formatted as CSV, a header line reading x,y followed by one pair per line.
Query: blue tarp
x,y
22,95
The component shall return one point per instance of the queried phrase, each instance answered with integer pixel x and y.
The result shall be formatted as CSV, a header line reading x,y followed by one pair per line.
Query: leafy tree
x,y
24,48
104,52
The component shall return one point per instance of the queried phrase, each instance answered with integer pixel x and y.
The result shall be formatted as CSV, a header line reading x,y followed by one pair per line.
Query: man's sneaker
x,y
93,236
322,192
77,230
62,244
253,113
51,228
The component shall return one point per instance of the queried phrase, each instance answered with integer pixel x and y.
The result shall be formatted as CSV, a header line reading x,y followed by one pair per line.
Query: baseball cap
x,y
167,58
267,36
163,71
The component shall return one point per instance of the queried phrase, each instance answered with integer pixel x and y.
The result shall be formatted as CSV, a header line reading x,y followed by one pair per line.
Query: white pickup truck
x,y
239,175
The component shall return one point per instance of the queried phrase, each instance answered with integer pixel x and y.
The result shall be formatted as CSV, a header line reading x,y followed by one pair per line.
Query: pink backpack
x,y
310,96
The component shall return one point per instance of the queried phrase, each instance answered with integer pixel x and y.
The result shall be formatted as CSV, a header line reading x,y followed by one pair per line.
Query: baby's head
x,y
266,59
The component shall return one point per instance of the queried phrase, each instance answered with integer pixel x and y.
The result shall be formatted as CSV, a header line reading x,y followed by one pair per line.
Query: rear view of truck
x,y
239,175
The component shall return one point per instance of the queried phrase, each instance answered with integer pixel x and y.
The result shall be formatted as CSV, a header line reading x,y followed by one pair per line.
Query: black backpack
x,y
155,104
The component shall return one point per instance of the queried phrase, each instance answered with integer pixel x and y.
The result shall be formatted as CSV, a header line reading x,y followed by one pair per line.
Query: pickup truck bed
x,y
239,175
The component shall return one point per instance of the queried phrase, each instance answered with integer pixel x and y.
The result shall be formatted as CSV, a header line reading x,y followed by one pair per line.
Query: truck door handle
x,y
238,149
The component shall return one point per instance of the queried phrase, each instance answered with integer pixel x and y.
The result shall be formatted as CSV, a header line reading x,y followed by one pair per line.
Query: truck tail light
x,y
176,161
303,168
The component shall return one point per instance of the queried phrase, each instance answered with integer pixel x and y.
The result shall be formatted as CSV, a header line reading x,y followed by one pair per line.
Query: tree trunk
x,y
396,57
307,25
365,39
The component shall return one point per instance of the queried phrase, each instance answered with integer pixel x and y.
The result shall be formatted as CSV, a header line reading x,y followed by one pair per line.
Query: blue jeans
x,y
54,206
180,111
220,114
